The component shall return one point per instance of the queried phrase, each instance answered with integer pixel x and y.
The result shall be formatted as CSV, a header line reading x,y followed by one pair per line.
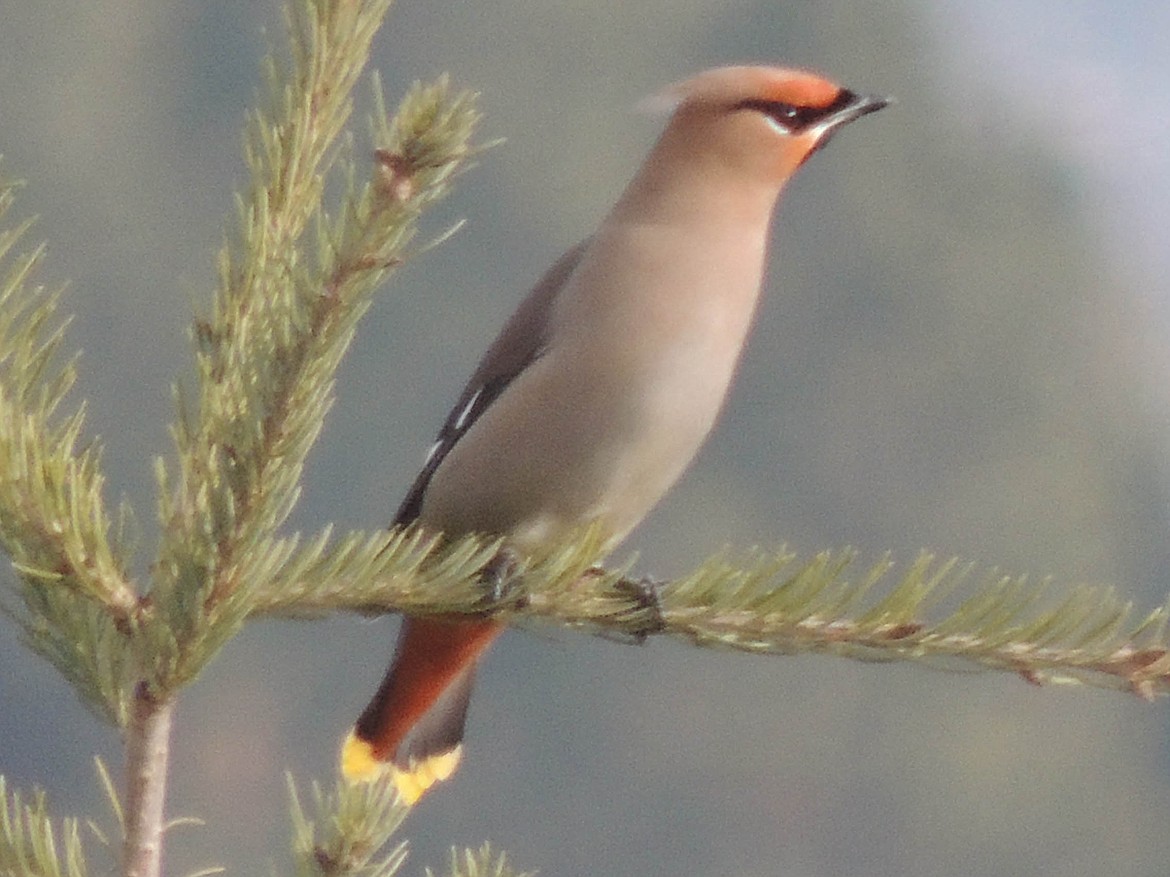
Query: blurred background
x,y
963,347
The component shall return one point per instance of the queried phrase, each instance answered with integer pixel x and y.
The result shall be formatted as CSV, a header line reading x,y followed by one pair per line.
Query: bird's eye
x,y
787,116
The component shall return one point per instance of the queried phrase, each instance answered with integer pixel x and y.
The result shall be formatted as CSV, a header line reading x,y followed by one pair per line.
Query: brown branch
x,y
147,749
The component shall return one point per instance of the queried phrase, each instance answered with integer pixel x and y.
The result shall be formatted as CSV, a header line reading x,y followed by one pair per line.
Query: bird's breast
x,y
644,343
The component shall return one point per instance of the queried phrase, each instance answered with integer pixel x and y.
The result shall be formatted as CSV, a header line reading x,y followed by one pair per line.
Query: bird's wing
x,y
520,343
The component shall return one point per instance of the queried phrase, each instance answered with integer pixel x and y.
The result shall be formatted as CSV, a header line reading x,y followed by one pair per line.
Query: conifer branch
x,y
53,520
347,828
147,754
30,846
771,603
86,644
294,281
484,862
292,288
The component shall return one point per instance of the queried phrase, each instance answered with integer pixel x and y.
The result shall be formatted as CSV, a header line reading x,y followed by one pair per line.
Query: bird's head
x,y
764,121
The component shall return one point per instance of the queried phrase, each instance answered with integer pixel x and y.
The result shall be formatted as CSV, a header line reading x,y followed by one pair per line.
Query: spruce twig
x,y
347,828
53,521
294,281
293,285
483,862
30,846
769,603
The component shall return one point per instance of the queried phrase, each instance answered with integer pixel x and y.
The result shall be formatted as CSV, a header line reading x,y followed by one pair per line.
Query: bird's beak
x,y
852,106
855,107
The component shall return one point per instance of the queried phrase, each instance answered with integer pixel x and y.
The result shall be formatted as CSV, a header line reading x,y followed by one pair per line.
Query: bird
x,y
604,383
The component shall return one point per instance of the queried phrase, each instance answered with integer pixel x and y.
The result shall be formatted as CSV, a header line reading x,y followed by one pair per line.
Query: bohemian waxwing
x,y
602,386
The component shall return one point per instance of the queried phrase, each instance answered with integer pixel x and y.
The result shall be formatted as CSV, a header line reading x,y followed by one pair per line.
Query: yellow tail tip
x,y
360,764
358,761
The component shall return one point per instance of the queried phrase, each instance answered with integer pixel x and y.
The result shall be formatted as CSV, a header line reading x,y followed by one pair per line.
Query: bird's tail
x,y
413,727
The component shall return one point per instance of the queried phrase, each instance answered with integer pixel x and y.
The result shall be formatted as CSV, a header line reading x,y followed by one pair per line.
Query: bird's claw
x,y
646,594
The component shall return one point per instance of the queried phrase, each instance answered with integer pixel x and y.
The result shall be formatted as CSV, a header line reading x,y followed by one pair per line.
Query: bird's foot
x,y
500,582
647,617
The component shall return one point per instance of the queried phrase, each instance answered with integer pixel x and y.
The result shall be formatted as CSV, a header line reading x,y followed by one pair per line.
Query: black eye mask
x,y
793,118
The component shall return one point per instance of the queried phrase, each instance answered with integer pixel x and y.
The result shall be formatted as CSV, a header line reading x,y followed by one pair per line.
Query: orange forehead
x,y
802,90
728,85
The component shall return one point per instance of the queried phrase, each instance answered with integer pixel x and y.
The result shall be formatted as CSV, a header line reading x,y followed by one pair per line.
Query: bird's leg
x,y
499,580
